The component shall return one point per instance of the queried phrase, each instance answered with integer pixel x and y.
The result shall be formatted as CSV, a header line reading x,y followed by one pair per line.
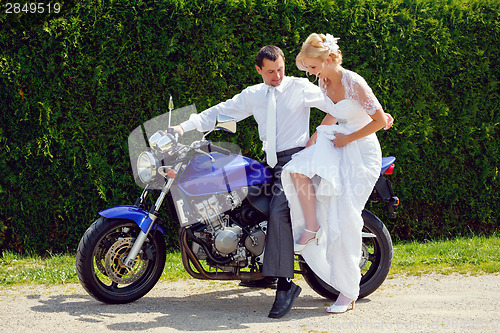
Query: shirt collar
x,y
280,88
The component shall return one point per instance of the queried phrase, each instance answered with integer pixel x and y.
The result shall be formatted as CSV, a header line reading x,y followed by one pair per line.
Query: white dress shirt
x,y
294,99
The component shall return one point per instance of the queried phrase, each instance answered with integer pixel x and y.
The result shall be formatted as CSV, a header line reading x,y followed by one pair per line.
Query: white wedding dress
x,y
343,179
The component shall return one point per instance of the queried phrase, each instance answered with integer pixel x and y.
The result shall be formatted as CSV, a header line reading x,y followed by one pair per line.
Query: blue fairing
x,y
136,214
227,173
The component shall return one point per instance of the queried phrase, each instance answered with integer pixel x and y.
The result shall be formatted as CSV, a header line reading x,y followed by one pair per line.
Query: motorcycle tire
x,y
376,261
99,261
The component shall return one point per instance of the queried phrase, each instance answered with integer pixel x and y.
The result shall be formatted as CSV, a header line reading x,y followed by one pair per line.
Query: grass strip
x,y
471,255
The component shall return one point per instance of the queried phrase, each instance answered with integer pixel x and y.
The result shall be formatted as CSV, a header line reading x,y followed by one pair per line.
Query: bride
x,y
328,183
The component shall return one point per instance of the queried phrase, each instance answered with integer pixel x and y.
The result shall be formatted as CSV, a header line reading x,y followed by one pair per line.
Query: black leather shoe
x,y
267,282
284,301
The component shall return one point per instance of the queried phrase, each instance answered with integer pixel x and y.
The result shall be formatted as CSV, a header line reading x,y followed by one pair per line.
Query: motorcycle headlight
x,y
146,166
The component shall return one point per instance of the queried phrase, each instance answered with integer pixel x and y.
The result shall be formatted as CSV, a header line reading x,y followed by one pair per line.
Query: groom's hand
x,y
177,128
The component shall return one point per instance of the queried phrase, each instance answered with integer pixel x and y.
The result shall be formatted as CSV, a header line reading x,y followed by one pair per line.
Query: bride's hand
x,y
340,140
390,121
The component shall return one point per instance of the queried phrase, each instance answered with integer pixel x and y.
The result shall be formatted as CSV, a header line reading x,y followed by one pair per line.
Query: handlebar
x,y
221,150
209,147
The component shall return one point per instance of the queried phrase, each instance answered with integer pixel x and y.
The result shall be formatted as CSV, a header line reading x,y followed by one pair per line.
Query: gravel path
x,y
435,303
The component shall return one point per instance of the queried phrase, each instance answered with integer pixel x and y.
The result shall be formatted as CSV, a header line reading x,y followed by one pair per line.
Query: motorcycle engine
x,y
226,240
226,236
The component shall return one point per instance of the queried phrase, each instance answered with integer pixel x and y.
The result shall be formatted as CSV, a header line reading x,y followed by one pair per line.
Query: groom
x,y
281,107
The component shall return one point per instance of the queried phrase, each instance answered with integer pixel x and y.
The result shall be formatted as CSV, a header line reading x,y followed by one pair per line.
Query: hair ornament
x,y
331,43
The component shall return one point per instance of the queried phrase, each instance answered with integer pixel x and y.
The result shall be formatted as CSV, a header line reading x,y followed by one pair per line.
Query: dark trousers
x,y
279,256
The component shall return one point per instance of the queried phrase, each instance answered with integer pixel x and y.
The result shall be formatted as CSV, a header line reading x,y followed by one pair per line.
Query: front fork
x,y
153,215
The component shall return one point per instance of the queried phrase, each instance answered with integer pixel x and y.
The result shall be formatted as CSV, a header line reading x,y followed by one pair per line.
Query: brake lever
x,y
205,153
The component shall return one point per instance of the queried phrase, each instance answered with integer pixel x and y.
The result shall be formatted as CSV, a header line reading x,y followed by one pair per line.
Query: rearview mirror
x,y
226,123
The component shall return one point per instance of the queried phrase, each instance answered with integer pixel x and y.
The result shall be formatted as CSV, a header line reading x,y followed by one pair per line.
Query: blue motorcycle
x,y
220,200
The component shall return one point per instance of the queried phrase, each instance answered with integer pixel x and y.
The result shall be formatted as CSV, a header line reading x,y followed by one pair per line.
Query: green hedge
x,y
75,84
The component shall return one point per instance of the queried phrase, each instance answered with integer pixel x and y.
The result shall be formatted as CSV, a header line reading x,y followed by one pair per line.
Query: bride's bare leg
x,y
307,198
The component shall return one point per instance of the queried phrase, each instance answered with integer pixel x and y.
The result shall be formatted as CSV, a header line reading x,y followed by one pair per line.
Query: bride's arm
x,y
364,95
379,121
328,120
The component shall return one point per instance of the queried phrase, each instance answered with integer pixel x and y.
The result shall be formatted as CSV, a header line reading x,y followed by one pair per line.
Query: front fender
x,y
136,214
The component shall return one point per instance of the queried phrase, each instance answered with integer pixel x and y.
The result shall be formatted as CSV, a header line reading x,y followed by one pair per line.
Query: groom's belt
x,y
289,152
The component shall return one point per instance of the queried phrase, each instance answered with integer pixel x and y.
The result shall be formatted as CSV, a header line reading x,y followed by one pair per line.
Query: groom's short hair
x,y
269,52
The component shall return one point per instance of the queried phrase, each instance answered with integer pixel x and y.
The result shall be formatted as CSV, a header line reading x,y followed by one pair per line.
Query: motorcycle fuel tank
x,y
227,173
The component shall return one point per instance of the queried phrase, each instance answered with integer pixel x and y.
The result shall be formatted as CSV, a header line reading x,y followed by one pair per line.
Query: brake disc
x,y
100,258
365,256
115,266
100,253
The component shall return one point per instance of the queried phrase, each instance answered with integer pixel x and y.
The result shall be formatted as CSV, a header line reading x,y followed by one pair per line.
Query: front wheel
x,y
376,260
99,261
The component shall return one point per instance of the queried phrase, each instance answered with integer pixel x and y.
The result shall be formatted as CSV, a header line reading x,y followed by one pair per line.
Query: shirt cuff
x,y
188,125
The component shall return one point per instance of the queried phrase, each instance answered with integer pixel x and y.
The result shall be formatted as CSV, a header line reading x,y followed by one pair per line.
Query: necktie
x,y
271,157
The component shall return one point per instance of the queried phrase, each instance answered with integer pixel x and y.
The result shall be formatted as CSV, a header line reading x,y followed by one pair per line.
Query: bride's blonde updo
x,y
314,47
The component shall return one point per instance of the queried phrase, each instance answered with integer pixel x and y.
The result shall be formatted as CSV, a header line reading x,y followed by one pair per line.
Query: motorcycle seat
x,y
386,163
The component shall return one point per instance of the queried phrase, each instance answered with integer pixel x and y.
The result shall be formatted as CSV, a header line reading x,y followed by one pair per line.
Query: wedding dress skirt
x,y
343,179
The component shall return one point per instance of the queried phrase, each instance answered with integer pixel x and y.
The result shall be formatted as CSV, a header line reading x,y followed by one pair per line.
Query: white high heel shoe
x,y
298,248
340,308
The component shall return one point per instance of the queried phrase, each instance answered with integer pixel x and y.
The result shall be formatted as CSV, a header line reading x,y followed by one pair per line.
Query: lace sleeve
x,y
360,91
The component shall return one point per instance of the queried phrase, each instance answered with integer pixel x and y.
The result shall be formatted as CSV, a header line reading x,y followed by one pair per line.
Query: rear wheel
x,y
376,260
100,256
